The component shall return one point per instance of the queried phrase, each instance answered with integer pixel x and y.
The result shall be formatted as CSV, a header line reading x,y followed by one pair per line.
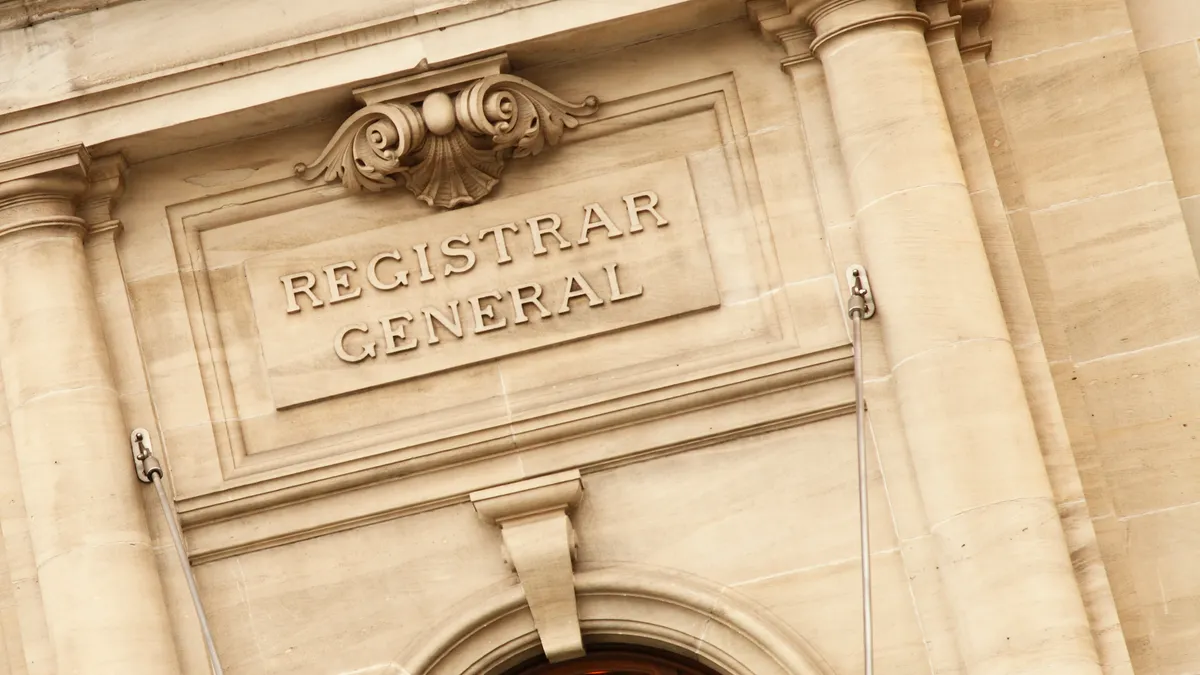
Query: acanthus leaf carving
x,y
518,114
368,148
448,152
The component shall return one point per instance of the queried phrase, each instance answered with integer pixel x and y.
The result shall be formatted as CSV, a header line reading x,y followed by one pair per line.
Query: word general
x,y
390,270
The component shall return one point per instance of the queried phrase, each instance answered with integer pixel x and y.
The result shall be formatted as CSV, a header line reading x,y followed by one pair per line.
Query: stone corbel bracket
x,y
105,187
446,134
973,14
539,544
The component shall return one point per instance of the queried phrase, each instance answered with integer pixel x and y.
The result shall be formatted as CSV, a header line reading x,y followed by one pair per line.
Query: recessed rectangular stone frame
x,y
251,481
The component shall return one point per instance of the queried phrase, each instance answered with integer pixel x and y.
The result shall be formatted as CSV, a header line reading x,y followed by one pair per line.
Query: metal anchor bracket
x,y
860,286
144,463
150,471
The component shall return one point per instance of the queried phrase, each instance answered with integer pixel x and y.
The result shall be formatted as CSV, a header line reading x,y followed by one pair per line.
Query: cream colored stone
x,y
855,66
378,588
1106,313
928,320
955,87
995,136
886,428
944,385
85,520
778,400
1159,23
996,231
1074,408
1173,75
30,633
722,165
1015,213
1021,28
1103,615
1088,140
1037,284
788,197
539,544
1191,218
1160,551
1049,422
821,144
1112,537
821,602
613,523
1141,413
448,152
923,569
646,259
1030,534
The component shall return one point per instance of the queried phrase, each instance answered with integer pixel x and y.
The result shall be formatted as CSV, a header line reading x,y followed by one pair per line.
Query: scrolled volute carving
x,y
367,150
448,152
518,114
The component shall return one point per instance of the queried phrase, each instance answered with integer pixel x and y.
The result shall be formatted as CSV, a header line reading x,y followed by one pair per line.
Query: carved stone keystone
x,y
539,544
447,134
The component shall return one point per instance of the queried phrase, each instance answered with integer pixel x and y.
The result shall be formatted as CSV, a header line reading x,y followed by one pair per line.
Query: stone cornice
x,y
25,13
446,134
72,160
230,91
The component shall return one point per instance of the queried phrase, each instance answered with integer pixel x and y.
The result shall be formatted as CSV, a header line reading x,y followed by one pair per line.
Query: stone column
x,y
103,599
1003,557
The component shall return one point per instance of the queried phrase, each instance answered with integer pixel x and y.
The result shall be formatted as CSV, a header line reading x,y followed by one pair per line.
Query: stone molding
x,y
105,187
447,150
41,190
539,544
25,13
803,26
970,16
627,602
62,188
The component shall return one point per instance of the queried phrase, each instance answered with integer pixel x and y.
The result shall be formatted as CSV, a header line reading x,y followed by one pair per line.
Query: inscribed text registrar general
x,y
465,286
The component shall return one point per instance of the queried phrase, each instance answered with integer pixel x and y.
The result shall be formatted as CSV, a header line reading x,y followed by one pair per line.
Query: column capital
x,y
965,18
777,22
41,190
802,26
831,19
106,184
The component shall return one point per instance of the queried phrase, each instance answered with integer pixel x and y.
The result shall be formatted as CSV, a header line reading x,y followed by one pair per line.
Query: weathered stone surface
x,y
471,331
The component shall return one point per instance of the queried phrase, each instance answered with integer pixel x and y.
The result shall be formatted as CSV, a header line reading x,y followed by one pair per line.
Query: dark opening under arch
x,y
615,660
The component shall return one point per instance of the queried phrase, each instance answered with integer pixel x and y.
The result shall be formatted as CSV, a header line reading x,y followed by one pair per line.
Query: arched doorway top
x,y
619,604
615,661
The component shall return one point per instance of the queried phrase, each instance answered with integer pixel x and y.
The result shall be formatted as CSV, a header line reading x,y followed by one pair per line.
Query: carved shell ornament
x,y
448,151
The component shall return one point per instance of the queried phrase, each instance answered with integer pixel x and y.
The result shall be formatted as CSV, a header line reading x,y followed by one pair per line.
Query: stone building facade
x,y
481,337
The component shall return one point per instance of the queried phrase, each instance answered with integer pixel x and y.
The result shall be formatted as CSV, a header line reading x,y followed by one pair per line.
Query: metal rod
x,y
177,537
861,306
863,514
148,470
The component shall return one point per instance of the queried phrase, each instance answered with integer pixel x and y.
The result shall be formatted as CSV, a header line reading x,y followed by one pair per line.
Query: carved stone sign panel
x,y
504,277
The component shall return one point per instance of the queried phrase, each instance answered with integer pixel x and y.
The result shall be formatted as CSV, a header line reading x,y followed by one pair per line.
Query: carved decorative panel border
x,y
348,450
